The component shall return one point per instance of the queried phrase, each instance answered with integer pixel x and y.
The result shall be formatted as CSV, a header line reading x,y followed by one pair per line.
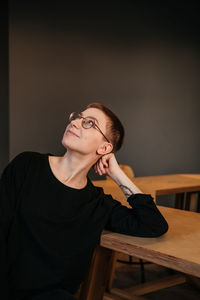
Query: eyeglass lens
x,y
86,122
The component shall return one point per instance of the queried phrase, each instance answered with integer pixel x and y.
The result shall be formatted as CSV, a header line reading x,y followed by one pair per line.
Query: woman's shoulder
x,y
19,163
26,158
26,155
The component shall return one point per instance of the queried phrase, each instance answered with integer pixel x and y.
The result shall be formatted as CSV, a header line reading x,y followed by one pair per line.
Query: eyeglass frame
x,y
94,124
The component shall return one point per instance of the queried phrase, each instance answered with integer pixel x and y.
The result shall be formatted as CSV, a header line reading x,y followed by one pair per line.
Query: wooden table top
x,y
178,249
169,184
155,185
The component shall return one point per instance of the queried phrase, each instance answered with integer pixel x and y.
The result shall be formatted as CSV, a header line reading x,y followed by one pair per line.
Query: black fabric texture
x,y
48,231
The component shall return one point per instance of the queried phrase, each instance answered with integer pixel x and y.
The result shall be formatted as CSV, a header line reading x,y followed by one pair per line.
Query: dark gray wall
x,y
140,61
4,105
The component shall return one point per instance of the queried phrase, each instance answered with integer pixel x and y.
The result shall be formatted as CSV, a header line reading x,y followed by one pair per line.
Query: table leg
x,y
187,201
94,285
198,202
192,202
179,201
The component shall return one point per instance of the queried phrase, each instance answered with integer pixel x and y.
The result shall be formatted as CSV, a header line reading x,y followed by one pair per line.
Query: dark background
x,y
140,59
4,87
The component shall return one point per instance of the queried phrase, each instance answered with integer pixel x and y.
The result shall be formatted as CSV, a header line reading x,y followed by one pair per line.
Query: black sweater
x,y
48,231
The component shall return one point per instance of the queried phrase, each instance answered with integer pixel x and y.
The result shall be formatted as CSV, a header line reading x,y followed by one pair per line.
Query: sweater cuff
x,y
140,199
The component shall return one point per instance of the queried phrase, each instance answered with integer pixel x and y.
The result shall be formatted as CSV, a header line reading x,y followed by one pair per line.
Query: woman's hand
x,y
107,165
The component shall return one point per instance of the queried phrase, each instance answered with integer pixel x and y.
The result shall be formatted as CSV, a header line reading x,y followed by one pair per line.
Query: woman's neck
x,y
72,168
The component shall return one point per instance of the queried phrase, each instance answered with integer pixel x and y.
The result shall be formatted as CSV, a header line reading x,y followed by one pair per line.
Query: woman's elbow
x,y
161,229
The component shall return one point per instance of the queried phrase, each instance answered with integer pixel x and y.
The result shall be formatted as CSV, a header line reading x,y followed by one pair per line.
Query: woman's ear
x,y
105,148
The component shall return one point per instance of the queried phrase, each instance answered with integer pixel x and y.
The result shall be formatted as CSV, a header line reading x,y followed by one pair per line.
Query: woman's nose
x,y
76,123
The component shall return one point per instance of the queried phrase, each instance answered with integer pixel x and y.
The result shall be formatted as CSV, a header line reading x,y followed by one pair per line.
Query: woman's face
x,y
90,140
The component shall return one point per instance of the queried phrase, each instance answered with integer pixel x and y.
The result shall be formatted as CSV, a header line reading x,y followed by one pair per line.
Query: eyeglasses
x,y
87,123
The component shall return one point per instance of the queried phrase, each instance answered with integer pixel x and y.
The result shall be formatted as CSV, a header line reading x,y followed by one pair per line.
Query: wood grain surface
x,y
155,185
178,249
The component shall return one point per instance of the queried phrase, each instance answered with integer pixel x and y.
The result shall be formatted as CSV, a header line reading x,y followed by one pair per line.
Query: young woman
x,y
52,216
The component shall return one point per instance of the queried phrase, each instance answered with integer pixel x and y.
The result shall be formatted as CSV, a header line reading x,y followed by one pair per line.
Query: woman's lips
x,y
72,133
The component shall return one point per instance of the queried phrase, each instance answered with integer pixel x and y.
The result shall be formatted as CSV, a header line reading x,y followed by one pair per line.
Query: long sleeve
x,y
143,219
10,184
6,191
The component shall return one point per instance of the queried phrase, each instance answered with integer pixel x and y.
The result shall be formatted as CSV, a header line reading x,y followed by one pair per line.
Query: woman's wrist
x,y
117,175
125,183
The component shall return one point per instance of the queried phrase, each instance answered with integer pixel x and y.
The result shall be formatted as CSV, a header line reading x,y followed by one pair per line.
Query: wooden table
x,y
169,184
178,249
156,185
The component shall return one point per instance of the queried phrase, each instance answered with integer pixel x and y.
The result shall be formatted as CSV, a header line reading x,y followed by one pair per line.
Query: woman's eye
x,y
91,122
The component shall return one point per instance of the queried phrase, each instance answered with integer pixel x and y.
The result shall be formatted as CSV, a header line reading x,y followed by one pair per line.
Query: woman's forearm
x,y
126,184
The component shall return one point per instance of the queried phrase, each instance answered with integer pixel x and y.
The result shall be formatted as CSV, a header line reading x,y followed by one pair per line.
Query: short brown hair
x,y
114,128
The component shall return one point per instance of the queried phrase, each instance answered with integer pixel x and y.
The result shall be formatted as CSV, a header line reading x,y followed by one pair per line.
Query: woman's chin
x,y
71,147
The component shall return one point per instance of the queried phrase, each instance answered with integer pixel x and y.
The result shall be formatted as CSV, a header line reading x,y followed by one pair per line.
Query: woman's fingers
x,y
102,166
104,161
99,169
